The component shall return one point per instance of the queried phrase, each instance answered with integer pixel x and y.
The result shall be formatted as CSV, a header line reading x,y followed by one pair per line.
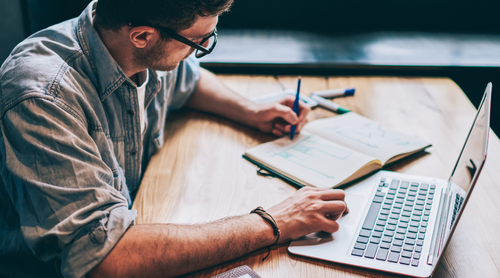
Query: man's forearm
x,y
166,250
213,96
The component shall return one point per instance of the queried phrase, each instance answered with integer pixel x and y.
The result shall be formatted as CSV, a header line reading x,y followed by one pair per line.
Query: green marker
x,y
330,105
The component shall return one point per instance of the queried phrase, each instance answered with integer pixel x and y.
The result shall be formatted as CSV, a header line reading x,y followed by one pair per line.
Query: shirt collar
x,y
109,74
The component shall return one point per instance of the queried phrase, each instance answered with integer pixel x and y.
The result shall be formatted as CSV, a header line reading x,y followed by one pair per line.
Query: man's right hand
x,y
309,210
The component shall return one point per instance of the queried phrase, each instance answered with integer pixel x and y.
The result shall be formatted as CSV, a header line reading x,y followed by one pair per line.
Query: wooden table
x,y
199,175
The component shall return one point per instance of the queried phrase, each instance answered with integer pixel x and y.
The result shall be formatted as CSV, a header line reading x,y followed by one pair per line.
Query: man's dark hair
x,y
176,15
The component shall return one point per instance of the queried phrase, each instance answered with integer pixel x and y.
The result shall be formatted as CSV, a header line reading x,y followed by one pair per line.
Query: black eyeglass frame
x,y
200,50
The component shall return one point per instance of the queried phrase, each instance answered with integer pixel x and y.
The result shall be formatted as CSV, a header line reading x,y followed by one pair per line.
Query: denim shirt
x,y
71,148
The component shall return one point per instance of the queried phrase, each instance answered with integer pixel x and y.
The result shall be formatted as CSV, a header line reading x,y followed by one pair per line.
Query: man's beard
x,y
153,58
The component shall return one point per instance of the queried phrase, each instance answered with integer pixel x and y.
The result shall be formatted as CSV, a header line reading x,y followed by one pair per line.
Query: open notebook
x,y
334,151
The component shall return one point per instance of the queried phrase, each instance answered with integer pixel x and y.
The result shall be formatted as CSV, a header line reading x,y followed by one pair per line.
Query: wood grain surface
x,y
199,174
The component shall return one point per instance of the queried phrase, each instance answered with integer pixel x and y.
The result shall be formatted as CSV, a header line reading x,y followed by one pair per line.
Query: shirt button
x,y
130,112
134,152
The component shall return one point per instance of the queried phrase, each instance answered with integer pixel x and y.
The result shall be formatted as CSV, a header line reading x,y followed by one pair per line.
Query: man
x,y
83,106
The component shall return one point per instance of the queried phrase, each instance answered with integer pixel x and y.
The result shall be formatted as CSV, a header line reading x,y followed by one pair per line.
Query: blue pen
x,y
295,109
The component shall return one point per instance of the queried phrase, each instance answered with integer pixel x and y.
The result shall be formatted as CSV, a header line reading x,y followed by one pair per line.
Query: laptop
x,y
402,223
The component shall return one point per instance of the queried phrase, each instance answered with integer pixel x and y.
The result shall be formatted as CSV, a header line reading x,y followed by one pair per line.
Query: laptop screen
x,y
474,151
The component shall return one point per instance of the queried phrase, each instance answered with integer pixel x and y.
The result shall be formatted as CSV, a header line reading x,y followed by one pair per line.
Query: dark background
x,y
337,17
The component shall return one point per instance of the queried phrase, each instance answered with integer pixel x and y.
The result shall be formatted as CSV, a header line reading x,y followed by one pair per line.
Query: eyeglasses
x,y
201,51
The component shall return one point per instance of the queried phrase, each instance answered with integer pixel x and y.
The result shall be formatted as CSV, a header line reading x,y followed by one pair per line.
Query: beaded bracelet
x,y
264,214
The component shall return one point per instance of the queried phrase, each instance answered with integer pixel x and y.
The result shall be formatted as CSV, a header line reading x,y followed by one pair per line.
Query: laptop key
x,y
397,242
399,236
380,194
424,224
424,186
362,239
418,249
394,184
394,216
408,208
406,213
416,256
387,239
421,197
403,225
360,246
406,254
411,235
377,234
396,249
389,233
404,184
385,245
421,236
420,242
410,241
371,251
386,207
383,217
414,223
423,230
398,206
392,222
405,261
371,216
390,228
357,252
375,240
395,210
399,200
365,233
417,213
385,211
393,257
379,228
382,254
408,248
379,223
378,200
405,219
419,207
401,231
420,202
413,229
415,218
427,212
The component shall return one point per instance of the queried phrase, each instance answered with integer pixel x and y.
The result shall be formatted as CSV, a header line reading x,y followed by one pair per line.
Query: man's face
x,y
166,55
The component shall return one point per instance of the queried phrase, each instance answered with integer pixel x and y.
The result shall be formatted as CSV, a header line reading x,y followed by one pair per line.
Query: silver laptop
x,y
401,223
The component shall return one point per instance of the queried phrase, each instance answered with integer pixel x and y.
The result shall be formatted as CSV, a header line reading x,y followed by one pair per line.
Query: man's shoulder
x,y
38,64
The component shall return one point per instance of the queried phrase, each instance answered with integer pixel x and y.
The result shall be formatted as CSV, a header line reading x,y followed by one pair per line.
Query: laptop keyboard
x,y
459,200
395,226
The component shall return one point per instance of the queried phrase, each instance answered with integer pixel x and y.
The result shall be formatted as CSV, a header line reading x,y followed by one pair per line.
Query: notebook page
x,y
310,159
366,136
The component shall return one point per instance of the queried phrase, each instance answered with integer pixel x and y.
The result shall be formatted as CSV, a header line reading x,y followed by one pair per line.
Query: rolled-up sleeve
x,y
70,212
188,74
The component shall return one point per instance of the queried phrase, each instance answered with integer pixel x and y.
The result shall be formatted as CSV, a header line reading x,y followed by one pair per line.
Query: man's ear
x,y
141,36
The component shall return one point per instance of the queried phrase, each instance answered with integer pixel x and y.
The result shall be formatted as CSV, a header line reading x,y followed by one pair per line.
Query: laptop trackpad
x,y
355,203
